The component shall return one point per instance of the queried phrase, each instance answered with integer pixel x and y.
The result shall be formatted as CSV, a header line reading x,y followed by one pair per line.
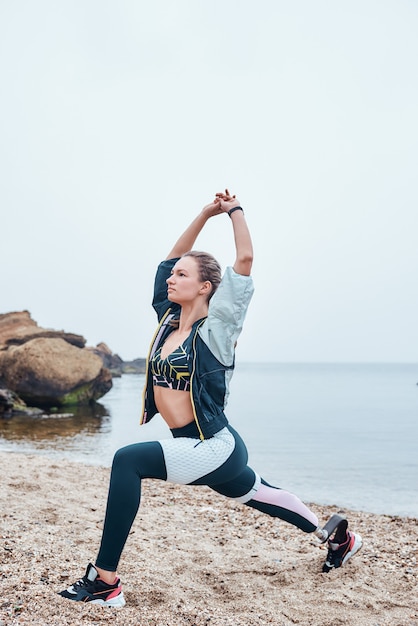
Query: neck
x,y
189,314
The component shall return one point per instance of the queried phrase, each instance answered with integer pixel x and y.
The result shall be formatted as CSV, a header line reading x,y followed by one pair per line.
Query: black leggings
x,y
219,462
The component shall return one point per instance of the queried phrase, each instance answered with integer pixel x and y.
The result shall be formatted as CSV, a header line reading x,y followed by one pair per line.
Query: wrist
x,y
235,208
205,214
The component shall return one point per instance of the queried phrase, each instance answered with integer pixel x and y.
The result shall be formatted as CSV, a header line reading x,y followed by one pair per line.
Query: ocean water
x,y
343,434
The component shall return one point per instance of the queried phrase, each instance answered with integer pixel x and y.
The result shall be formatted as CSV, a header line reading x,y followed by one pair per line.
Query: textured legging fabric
x,y
219,462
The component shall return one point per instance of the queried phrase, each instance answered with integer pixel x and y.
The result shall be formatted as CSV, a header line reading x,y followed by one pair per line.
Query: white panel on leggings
x,y
247,496
188,459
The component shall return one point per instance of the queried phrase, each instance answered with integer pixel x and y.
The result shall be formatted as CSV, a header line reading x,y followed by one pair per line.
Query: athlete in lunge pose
x,y
189,366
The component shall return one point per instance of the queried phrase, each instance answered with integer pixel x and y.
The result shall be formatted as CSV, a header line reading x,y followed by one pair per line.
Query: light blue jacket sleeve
x,y
227,310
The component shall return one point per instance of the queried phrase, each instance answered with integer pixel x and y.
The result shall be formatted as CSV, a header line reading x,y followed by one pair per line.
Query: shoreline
x,y
192,557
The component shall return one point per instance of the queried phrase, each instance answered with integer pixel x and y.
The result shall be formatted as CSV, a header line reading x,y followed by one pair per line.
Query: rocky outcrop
x,y
137,366
11,404
18,327
45,367
114,362
6,402
52,372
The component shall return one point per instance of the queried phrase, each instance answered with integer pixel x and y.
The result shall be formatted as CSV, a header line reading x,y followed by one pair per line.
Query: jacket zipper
x,y
196,419
201,435
142,420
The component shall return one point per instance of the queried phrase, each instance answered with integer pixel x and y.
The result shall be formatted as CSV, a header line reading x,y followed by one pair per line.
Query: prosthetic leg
x,y
332,524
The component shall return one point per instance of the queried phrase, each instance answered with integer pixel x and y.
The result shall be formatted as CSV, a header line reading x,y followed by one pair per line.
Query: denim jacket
x,y
210,346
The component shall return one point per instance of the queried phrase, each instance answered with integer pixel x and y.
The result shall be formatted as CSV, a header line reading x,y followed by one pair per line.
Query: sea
x,y
335,434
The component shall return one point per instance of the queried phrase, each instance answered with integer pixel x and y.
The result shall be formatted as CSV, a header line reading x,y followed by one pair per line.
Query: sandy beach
x,y
192,558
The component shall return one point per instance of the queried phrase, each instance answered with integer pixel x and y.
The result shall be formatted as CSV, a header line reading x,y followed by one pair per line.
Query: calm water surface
x,y
333,434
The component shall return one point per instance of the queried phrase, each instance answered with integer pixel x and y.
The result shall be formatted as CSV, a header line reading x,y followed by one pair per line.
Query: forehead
x,y
187,264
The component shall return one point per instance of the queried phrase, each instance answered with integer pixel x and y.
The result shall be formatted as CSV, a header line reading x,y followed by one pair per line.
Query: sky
x,y
121,119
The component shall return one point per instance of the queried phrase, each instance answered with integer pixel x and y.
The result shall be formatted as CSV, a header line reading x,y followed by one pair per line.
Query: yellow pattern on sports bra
x,y
171,372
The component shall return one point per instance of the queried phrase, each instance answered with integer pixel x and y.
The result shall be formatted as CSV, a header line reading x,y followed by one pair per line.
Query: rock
x,y
137,366
52,372
113,362
11,404
6,403
18,327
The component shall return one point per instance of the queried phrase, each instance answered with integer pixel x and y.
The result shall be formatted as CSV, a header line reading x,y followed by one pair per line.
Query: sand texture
x,y
192,558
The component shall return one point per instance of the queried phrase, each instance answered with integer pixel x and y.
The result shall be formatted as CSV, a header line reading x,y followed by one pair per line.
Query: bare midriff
x,y
174,406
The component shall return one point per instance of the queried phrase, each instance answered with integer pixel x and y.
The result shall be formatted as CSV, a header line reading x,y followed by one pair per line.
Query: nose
x,y
169,280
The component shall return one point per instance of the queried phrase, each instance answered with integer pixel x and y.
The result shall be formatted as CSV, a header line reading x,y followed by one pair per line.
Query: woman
x,y
189,366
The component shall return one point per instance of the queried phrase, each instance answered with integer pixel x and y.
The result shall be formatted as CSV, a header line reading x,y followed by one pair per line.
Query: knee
x,y
123,457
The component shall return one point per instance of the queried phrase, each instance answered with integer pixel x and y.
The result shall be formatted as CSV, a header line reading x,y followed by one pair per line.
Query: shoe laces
x,y
83,582
331,555
334,550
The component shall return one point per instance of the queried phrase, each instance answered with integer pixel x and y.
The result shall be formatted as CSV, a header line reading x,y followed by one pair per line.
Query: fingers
x,y
214,207
225,196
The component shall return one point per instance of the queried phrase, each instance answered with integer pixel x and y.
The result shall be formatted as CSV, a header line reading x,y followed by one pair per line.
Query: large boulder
x,y
50,371
18,327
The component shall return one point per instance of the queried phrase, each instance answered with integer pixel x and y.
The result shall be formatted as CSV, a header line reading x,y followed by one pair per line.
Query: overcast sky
x,y
121,119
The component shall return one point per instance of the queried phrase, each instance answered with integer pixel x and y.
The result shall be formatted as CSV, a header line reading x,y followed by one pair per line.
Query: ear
x,y
206,288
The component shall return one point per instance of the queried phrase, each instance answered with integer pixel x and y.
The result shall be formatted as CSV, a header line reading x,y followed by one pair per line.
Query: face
x,y
184,284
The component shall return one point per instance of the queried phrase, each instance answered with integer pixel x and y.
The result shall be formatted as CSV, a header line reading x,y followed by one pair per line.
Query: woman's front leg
x,y
130,465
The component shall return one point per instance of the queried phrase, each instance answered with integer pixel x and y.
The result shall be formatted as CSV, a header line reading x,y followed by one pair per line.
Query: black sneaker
x,y
92,589
341,547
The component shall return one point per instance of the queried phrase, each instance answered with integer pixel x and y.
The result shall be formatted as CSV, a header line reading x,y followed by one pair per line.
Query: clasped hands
x,y
222,203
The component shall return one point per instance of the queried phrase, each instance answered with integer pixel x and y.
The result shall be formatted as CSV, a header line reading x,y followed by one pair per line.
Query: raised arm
x,y
243,244
223,203
186,241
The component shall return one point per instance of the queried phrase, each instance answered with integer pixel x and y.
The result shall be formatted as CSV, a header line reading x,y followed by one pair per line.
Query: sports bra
x,y
171,372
